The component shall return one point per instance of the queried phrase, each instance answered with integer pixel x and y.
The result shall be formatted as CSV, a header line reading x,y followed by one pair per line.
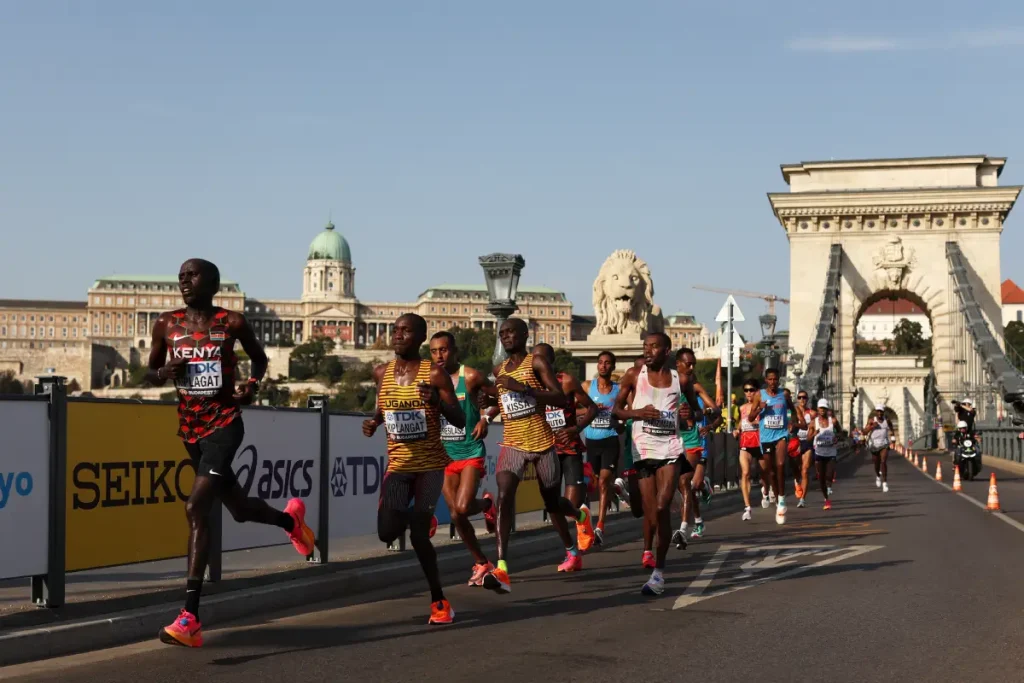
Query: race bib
x,y
406,425
603,420
450,432
202,378
773,422
825,440
664,426
555,418
515,406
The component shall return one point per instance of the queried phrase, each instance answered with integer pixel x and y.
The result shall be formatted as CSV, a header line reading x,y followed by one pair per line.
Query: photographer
x,y
965,412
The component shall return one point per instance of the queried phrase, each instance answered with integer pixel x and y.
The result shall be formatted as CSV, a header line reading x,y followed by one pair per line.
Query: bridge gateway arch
x,y
923,229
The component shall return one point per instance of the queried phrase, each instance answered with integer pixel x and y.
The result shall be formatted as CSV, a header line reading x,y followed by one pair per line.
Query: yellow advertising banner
x,y
528,494
128,477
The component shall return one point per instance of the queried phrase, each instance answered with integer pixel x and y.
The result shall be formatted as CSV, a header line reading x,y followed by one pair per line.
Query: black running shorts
x,y
649,468
212,455
603,454
572,469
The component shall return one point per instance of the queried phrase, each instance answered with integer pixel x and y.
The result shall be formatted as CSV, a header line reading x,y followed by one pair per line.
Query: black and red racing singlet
x,y
206,394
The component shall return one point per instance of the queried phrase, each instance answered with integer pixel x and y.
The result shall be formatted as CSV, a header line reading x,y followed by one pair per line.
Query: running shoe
x,y
800,503
598,536
301,535
679,539
828,505
771,495
620,490
746,515
648,560
491,516
829,490
706,492
441,613
799,491
585,530
698,530
497,580
572,563
780,512
765,502
878,482
479,572
654,586
433,526
184,630
885,487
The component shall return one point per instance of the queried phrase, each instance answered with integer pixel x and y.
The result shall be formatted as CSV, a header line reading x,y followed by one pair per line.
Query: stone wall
x,y
74,362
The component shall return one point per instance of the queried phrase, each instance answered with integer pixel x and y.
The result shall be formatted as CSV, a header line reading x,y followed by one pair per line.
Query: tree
x,y
565,362
74,386
307,359
476,348
908,339
10,385
1014,336
331,370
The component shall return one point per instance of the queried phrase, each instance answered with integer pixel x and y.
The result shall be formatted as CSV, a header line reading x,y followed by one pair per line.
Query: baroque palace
x,y
91,341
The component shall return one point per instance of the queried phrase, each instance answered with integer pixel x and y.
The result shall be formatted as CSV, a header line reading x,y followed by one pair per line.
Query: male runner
x,y
412,395
878,431
771,406
201,340
568,444
823,430
806,450
653,399
465,446
602,434
694,435
524,385
748,434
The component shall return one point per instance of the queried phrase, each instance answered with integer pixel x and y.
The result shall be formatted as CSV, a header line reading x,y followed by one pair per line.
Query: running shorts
x,y
749,441
875,450
824,458
212,455
572,469
698,456
769,446
603,454
545,463
805,446
456,466
755,452
400,488
649,467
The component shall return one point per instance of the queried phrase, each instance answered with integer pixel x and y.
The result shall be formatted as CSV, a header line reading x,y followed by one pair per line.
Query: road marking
x,y
696,591
998,515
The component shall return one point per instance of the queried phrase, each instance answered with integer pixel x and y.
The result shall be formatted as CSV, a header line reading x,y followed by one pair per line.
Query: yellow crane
x,y
770,298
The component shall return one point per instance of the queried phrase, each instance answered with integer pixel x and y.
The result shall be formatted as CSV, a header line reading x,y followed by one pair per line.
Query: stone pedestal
x,y
626,348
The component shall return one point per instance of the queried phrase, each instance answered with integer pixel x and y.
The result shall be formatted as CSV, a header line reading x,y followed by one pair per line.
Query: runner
x,y
412,396
602,434
748,434
771,406
823,431
806,452
201,341
694,436
653,399
568,445
465,446
524,384
877,431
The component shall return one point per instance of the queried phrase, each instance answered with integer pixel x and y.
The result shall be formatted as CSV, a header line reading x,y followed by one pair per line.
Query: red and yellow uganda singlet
x,y
206,394
413,426
526,429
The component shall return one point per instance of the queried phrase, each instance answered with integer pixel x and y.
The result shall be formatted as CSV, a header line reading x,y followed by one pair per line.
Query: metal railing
x,y
820,360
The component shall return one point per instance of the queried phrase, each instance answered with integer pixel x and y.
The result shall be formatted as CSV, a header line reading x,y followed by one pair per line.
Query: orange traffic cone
x,y
914,460
924,465
993,495
938,471
956,479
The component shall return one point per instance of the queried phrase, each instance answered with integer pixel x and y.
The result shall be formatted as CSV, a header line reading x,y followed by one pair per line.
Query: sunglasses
x,y
747,390
801,398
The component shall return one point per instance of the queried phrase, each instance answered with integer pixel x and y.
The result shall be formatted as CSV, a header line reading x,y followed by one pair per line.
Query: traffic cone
x,y
993,495
938,471
956,478
924,465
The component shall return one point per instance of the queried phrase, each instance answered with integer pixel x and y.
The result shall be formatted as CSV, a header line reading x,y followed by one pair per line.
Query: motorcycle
x,y
967,457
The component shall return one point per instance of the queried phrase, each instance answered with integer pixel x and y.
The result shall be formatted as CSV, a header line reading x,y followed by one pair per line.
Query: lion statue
x,y
624,296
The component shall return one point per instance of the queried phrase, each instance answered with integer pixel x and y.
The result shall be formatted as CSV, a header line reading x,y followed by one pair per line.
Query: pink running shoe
x,y
301,535
479,572
184,630
648,560
573,563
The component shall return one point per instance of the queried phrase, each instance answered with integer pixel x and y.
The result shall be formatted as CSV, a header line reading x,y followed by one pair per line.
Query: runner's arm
x,y
552,393
755,407
370,425
158,354
583,399
448,402
475,382
243,332
801,421
708,401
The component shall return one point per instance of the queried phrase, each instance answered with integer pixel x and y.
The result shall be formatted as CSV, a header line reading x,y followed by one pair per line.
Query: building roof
x,y
523,289
150,279
1011,293
589,319
998,162
38,303
888,308
329,246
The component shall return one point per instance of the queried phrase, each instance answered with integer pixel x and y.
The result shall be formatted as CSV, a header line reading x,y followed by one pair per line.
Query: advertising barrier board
x,y
128,477
279,459
24,488
358,465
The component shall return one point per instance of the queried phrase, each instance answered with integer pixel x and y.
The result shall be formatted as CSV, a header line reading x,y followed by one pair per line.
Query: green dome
x,y
329,246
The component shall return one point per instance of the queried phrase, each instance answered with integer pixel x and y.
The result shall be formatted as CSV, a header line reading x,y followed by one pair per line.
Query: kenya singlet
x,y
206,394
413,426
460,443
526,429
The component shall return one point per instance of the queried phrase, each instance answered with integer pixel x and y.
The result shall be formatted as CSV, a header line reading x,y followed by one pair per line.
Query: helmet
x,y
961,425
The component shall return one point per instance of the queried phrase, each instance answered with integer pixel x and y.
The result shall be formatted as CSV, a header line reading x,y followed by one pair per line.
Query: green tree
x,y
307,359
331,370
10,385
565,362
908,338
476,348
1014,336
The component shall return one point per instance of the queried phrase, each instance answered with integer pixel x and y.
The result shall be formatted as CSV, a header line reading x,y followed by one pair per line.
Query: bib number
x,y
555,418
515,406
666,425
603,420
826,440
773,422
202,378
406,425
451,433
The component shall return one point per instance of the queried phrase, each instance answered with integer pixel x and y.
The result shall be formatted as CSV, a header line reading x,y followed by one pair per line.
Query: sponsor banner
x,y
279,460
358,465
128,477
24,488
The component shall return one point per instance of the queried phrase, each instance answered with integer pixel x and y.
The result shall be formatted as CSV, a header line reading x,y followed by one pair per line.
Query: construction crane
x,y
770,298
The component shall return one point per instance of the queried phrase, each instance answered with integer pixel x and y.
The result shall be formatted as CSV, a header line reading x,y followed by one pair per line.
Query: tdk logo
x,y
357,475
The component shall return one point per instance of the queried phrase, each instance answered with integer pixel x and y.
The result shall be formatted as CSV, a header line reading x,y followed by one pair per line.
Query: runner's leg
x,y
883,467
822,467
666,479
805,471
459,493
426,488
746,464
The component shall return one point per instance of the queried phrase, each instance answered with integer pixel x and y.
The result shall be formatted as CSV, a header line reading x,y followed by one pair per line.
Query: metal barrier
x,y
1002,442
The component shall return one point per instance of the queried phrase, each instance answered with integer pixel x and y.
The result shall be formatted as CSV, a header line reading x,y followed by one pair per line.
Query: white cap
x,y
823,403
880,406
961,425
968,401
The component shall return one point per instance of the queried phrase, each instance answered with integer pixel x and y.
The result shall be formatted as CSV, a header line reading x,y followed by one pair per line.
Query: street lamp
x,y
501,273
768,321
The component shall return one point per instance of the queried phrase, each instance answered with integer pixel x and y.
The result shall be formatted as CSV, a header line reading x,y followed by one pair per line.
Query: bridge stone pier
x,y
892,221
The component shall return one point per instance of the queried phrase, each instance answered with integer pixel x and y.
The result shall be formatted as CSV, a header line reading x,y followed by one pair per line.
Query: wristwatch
x,y
255,383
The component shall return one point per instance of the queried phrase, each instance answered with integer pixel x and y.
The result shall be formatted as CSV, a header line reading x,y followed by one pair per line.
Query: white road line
x,y
998,515
700,584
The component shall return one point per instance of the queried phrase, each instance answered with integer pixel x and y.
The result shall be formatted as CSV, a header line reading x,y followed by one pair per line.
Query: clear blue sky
x,y
136,134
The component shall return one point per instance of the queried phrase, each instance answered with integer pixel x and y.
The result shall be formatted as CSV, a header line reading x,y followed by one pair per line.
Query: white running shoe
x,y
771,495
765,502
746,515
885,487
780,512
800,503
655,585
878,482
764,492
829,491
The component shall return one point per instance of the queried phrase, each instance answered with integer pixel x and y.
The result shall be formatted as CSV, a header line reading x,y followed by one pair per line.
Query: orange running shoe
x,y
497,580
799,490
301,535
828,505
433,526
585,530
648,560
572,563
491,516
441,613
184,630
479,572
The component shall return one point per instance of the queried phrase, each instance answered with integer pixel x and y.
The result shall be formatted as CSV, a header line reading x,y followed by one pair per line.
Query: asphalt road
x,y
917,584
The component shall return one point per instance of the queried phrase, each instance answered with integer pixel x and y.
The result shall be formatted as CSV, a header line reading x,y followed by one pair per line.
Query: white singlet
x,y
825,439
809,416
880,435
657,439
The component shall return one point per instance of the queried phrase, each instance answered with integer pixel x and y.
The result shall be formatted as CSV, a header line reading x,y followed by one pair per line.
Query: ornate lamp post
x,y
768,321
501,273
